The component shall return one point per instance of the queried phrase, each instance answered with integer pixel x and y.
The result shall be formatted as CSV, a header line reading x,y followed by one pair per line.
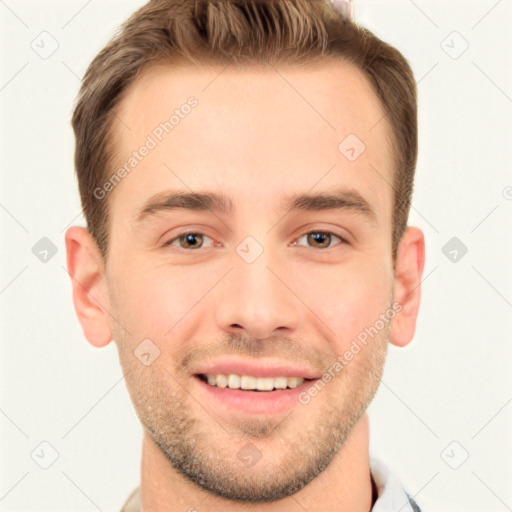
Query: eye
x,y
188,240
321,238
195,240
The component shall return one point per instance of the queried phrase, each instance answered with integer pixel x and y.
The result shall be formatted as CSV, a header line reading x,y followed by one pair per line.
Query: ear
x,y
90,293
409,266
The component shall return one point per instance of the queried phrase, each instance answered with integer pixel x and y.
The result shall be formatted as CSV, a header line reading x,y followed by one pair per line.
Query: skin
x,y
255,139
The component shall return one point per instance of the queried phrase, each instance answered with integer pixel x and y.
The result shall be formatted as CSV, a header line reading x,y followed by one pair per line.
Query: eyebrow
x,y
343,199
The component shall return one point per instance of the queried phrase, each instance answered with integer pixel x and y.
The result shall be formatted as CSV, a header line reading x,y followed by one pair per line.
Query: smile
x,y
250,383
257,396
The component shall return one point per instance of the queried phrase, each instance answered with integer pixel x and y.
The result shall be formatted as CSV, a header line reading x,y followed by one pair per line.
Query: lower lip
x,y
255,402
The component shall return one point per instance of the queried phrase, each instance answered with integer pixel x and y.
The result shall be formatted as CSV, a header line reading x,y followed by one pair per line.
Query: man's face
x,y
258,284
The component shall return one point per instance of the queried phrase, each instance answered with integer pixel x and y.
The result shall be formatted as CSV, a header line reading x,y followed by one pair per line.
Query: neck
x,y
344,486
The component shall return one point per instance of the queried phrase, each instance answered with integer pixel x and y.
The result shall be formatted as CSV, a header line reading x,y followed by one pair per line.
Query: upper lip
x,y
253,368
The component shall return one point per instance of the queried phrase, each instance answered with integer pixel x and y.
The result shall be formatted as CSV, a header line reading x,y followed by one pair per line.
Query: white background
x,y
451,384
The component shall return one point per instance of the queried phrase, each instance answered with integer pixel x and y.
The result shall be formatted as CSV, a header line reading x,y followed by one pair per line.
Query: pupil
x,y
190,238
318,238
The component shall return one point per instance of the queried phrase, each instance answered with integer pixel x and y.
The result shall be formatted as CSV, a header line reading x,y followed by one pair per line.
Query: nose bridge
x,y
257,298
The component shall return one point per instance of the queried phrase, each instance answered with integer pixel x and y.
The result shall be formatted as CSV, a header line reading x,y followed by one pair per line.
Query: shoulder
x,y
132,504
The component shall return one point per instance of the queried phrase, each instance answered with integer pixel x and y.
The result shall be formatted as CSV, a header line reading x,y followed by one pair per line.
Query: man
x,y
246,172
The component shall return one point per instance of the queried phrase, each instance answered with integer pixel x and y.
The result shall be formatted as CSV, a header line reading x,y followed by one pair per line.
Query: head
x,y
284,142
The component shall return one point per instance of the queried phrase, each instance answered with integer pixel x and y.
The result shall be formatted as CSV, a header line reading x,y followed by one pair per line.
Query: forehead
x,y
254,132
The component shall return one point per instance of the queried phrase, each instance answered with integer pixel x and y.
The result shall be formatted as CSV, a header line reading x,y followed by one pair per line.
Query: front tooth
x,y
265,383
280,382
293,382
222,381
247,382
234,381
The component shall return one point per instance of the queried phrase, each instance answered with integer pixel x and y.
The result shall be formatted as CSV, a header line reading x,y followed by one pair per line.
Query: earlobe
x,y
90,294
407,287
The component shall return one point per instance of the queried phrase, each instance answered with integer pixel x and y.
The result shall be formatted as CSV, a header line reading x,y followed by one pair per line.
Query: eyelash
x,y
184,233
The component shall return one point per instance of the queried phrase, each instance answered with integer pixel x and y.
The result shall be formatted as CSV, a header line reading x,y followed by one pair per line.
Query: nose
x,y
258,298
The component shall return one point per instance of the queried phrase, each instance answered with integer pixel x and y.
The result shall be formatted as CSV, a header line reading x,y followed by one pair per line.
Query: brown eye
x,y
188,240
191,240
321,239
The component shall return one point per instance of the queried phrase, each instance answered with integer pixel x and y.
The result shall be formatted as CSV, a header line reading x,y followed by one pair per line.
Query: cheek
x,y
150,301
350,300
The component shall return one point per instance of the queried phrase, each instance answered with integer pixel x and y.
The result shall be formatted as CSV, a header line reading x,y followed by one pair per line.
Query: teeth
x,y
221,381
280,382
265,383
234,381
246,382
293,382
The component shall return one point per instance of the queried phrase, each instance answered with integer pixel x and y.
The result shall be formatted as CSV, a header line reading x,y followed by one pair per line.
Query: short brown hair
x,y
240,32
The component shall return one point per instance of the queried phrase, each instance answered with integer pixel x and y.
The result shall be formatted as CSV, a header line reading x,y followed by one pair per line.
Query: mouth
x,y
251,396
249,383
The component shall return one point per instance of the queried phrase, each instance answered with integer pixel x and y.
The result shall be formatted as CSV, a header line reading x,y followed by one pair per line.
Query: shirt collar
x,y
392,497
